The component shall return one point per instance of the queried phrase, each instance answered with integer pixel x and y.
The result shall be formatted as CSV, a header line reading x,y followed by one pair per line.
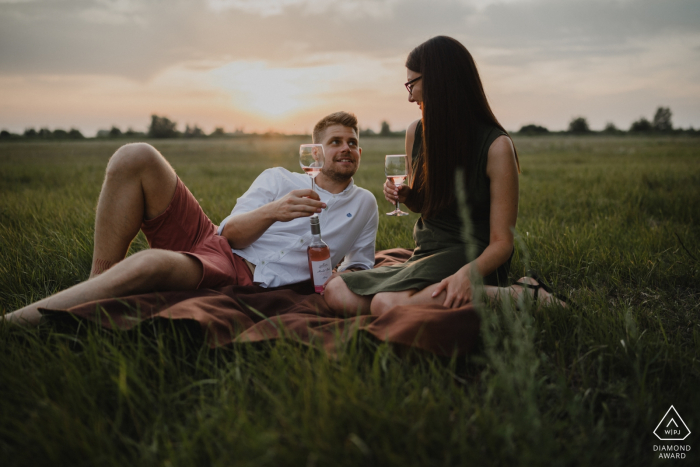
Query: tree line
x,y
163,127
660,124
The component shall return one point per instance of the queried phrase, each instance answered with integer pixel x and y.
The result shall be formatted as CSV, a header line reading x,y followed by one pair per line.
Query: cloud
x,y
265,8
139,39
584,27
113,12
553,57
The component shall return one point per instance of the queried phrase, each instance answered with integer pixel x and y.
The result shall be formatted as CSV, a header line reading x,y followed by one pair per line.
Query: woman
x,y
457,133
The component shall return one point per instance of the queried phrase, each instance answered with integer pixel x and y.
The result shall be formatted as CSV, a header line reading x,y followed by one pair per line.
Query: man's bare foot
x,y
538,291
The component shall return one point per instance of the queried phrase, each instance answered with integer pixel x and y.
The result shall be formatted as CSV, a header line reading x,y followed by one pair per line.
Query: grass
x,y
612,222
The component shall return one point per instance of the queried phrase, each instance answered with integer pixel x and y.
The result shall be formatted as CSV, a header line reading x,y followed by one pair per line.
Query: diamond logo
x,y
672,427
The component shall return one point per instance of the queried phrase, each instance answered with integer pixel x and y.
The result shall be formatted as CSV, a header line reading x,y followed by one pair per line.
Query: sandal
x,y
541,285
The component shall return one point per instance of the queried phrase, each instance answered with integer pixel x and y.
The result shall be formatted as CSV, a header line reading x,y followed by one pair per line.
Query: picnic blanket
x,y
232,315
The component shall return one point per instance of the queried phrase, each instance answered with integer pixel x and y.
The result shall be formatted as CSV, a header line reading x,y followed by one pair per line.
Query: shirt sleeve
x,y
263,190
361,254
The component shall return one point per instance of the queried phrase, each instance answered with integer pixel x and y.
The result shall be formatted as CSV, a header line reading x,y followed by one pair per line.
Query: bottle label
x,y
321,272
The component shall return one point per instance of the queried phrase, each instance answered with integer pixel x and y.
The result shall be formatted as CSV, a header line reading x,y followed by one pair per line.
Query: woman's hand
x,y
392,193
458,288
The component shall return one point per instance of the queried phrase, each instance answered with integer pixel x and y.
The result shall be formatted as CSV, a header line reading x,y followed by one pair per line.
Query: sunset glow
x,y
273,92
281,64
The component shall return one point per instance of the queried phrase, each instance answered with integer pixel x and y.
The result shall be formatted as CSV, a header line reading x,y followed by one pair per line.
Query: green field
x,y
612,222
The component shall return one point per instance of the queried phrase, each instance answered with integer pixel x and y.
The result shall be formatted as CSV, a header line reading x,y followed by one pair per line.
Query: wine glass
x,y
395,170
311,159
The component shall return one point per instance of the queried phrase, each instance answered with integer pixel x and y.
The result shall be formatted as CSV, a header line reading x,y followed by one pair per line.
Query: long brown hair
x,y
454,105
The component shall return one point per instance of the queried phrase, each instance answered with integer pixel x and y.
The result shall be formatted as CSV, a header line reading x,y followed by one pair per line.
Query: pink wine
x,y
397,180
319,257
312,171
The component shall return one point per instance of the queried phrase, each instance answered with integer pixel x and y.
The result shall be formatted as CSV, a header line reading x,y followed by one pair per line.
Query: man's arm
x,y
261,206
243,229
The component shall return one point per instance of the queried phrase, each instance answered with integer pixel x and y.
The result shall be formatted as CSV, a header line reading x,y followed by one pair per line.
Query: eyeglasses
x,y
409,84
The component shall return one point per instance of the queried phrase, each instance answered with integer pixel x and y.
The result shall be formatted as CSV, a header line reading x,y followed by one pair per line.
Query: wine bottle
x,y
319,257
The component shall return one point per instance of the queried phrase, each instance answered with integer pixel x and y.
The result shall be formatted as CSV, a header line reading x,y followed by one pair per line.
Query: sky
x,y
280,65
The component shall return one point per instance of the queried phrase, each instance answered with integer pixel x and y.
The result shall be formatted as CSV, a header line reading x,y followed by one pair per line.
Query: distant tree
x,y
218,132
162,127
533,130
44,133
115,132
641,126
579,125
386,130
193,132
60,134
30,133
662,120
367,132
6,135
611,129
133,133
74,133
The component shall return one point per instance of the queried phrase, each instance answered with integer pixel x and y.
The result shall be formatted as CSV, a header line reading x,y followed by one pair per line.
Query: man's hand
x,y
392,193
295,204
458,288
243,229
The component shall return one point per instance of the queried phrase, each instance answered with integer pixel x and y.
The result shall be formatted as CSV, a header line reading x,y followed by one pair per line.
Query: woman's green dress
x,y
440,250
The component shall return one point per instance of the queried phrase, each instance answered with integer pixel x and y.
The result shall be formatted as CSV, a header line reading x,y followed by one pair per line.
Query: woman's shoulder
x,y
412,127
491,137
501,145
501,155
490,132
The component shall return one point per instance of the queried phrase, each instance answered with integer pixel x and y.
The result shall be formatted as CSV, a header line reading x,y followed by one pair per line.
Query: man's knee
x,y
134,158
166,270
147,267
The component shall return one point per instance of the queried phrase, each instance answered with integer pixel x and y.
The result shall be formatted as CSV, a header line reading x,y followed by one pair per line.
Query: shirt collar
x,y
345,191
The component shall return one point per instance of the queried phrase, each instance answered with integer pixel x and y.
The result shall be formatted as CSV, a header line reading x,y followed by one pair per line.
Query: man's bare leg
x,y
139,184
145,271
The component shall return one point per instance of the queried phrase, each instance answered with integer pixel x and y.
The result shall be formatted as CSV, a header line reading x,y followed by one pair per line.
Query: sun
x,y
269,92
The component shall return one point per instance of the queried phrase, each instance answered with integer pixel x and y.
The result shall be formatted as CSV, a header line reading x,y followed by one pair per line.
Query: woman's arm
x,y
502,171
391,193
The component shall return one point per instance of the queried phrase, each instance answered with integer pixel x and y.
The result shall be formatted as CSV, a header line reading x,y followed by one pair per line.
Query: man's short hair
x,y
338,118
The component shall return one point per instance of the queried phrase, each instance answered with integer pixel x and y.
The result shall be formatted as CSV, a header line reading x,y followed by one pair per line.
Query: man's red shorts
x,y
183,227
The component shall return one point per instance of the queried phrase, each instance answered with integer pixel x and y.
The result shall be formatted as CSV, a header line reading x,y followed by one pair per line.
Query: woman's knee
x,y
133,158
382,302
334,292
343,300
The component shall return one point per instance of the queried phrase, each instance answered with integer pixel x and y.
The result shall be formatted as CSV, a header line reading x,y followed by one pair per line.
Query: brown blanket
x,y
252,314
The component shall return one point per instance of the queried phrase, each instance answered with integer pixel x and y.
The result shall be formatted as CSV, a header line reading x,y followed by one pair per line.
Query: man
x,y
263,240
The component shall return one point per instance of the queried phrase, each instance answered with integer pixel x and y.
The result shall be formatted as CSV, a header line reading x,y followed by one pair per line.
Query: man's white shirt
x,y
348,226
